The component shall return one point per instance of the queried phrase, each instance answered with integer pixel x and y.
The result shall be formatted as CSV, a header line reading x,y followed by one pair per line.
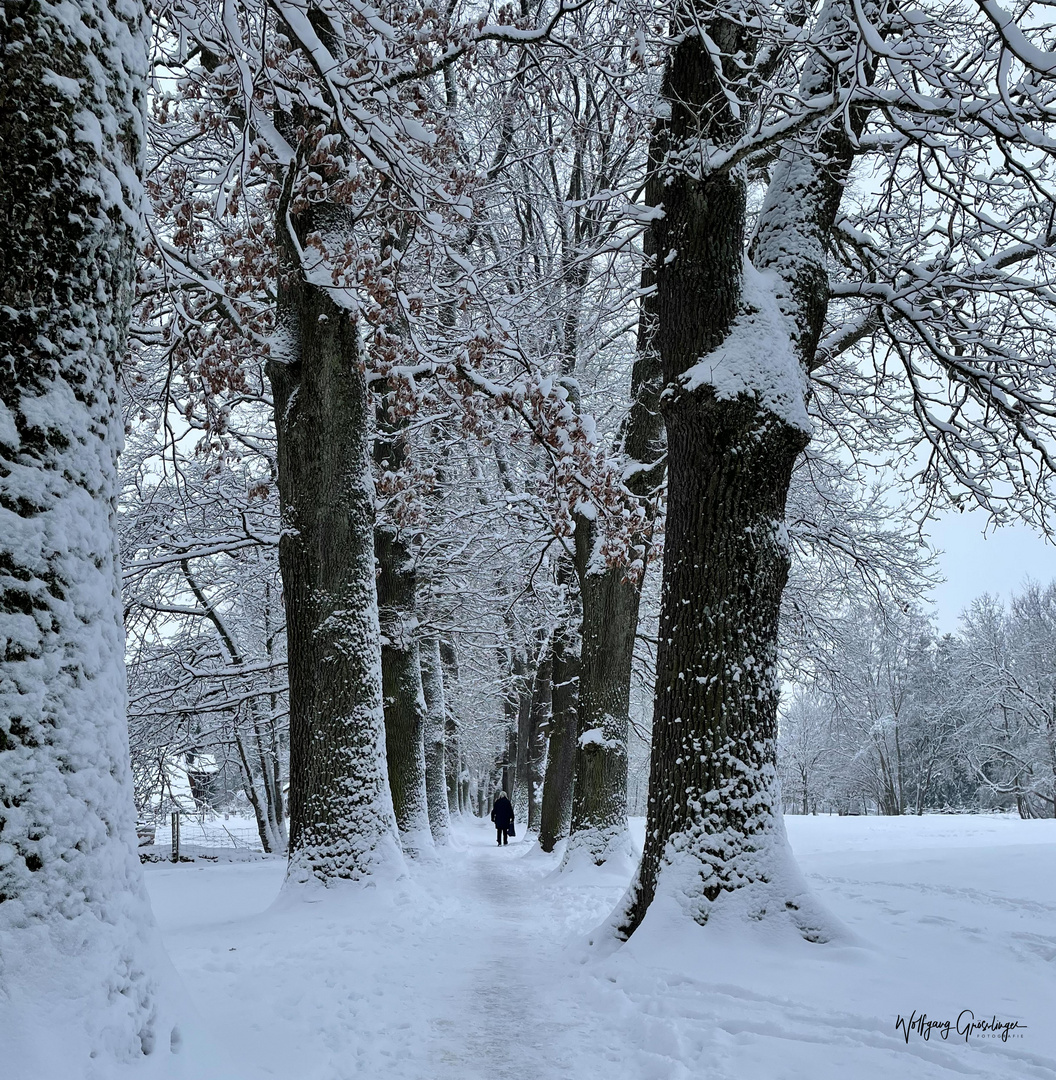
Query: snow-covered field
x,y
480,967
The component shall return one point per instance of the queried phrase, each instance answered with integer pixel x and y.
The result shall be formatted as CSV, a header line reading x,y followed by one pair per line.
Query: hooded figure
x,y
502,815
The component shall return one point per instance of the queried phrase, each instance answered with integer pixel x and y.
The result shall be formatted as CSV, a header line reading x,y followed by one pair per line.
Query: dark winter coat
x,y
502,813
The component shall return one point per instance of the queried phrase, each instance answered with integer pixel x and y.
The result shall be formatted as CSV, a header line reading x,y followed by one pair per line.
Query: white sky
x,y
998,562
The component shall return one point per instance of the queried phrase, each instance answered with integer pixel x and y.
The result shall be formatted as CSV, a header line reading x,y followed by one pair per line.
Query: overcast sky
x,y
973,563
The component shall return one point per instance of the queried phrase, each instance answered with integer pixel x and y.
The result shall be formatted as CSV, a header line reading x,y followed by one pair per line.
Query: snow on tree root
x,y
595,849
759,889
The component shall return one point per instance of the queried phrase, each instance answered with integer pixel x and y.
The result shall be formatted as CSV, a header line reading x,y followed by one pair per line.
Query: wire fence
x,y
189,836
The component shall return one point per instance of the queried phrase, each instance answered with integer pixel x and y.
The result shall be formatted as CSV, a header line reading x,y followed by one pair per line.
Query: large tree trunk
x,y
556,813
342,823
711,761
435,715
79,974
714,827
712,779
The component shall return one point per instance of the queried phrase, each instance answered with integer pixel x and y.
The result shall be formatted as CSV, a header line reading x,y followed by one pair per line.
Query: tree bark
x,y
401,675
712,775
79,954
519,712
714,827
610,598
435,715
463,786
610,620
342,824
452,737
556,813
701,790
452,756
541,707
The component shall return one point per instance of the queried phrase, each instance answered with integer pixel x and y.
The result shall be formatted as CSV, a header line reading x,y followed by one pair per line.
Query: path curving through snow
x,y
476,967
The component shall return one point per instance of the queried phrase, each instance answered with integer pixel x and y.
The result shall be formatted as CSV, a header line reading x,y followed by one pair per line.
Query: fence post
x,y
175,836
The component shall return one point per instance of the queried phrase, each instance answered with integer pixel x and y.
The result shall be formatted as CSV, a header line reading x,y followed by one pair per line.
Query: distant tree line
x,y
898,719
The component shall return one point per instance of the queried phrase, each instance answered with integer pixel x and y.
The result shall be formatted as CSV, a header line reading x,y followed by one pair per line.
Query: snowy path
x,y
465,972
510,1007
477,967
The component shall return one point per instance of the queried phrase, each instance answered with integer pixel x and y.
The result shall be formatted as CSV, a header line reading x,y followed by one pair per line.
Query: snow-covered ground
x,y
480,966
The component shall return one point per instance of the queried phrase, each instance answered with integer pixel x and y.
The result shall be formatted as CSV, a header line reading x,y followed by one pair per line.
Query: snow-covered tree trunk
x,y
610,598
736,421
435,714
464,805
452,734
79,968
401,673
342,823
712,801
610,620
538,727
519,714
452,756
556,814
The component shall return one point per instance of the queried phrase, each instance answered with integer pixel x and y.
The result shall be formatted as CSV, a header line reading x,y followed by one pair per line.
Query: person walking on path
x,y
502,815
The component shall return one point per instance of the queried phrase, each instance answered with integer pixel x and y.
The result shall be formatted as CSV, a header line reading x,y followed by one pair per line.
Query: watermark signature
x,y
966,1026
